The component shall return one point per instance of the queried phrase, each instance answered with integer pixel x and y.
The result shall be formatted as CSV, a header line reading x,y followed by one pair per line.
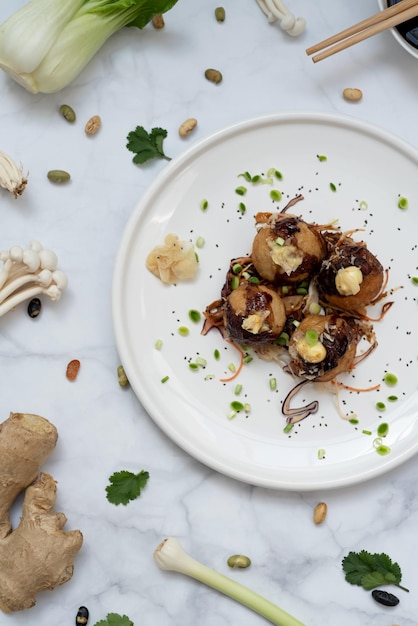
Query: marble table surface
x,y
155,78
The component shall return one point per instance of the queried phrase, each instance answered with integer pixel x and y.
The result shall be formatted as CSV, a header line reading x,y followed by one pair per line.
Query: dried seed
x,y
187,127
122,377
384,597
213,75
93,125
34,307
67,112
158,21
320,512
352,94
220,14
73,369
239,560
58,176
82,616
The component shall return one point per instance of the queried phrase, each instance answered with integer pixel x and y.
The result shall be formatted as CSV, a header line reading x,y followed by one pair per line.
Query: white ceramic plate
x,y
370,170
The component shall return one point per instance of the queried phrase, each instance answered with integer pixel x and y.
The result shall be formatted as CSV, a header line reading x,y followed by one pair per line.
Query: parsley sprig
x,y
125,486
371,570
114,619
146,145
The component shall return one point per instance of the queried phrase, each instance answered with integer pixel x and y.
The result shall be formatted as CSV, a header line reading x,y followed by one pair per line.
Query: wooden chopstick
x,y
388,18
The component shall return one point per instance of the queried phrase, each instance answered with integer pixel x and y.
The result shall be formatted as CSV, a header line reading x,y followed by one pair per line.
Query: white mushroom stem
x,y
43,279
11,176
276,10
53,291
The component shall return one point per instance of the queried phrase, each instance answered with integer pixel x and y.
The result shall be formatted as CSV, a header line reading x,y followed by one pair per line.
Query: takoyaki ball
x,y
350,278
287,250
323,346
254,314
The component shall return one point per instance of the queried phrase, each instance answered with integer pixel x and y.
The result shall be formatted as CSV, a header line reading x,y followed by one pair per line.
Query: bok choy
x,y
45,44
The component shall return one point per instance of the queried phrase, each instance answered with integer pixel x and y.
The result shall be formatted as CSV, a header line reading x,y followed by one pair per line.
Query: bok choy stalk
x,y
171,556
45,44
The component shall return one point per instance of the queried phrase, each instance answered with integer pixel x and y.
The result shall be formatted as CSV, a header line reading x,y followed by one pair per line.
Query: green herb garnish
x,y
125,486
371,570
114,619
403,203
146,145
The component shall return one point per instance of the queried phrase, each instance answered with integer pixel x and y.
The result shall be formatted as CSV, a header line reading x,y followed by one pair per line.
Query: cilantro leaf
x,y
371,570
146,145
125,486
114,619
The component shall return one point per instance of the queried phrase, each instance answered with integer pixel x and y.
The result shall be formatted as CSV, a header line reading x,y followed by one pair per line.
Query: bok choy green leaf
x,y
45,44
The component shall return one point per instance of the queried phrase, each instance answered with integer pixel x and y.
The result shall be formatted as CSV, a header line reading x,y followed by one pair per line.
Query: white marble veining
x,y
155,78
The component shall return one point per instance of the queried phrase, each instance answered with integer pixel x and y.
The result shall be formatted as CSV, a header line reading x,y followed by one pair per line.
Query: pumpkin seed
x,y
220,14
68,113
58,176
239,560
213,75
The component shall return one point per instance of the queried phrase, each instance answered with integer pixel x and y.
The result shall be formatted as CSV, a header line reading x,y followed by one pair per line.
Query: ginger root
x,y
38,554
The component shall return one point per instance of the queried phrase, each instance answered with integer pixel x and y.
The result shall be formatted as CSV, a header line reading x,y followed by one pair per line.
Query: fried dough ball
x,y
323,346
254,314
287,250
350,277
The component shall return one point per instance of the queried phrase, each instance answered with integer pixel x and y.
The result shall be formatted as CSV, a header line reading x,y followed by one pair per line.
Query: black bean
x,y
384,597
34,307
82,616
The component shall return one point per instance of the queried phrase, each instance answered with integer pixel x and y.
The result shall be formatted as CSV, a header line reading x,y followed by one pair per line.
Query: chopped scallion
x,y
403,203
204,205
390,379
311,337
238,389
194,315
241,190
275,195
234,282
183,331
383,429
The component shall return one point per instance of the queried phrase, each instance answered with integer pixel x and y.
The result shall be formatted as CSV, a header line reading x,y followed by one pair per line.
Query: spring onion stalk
x,y
171,556
47,43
